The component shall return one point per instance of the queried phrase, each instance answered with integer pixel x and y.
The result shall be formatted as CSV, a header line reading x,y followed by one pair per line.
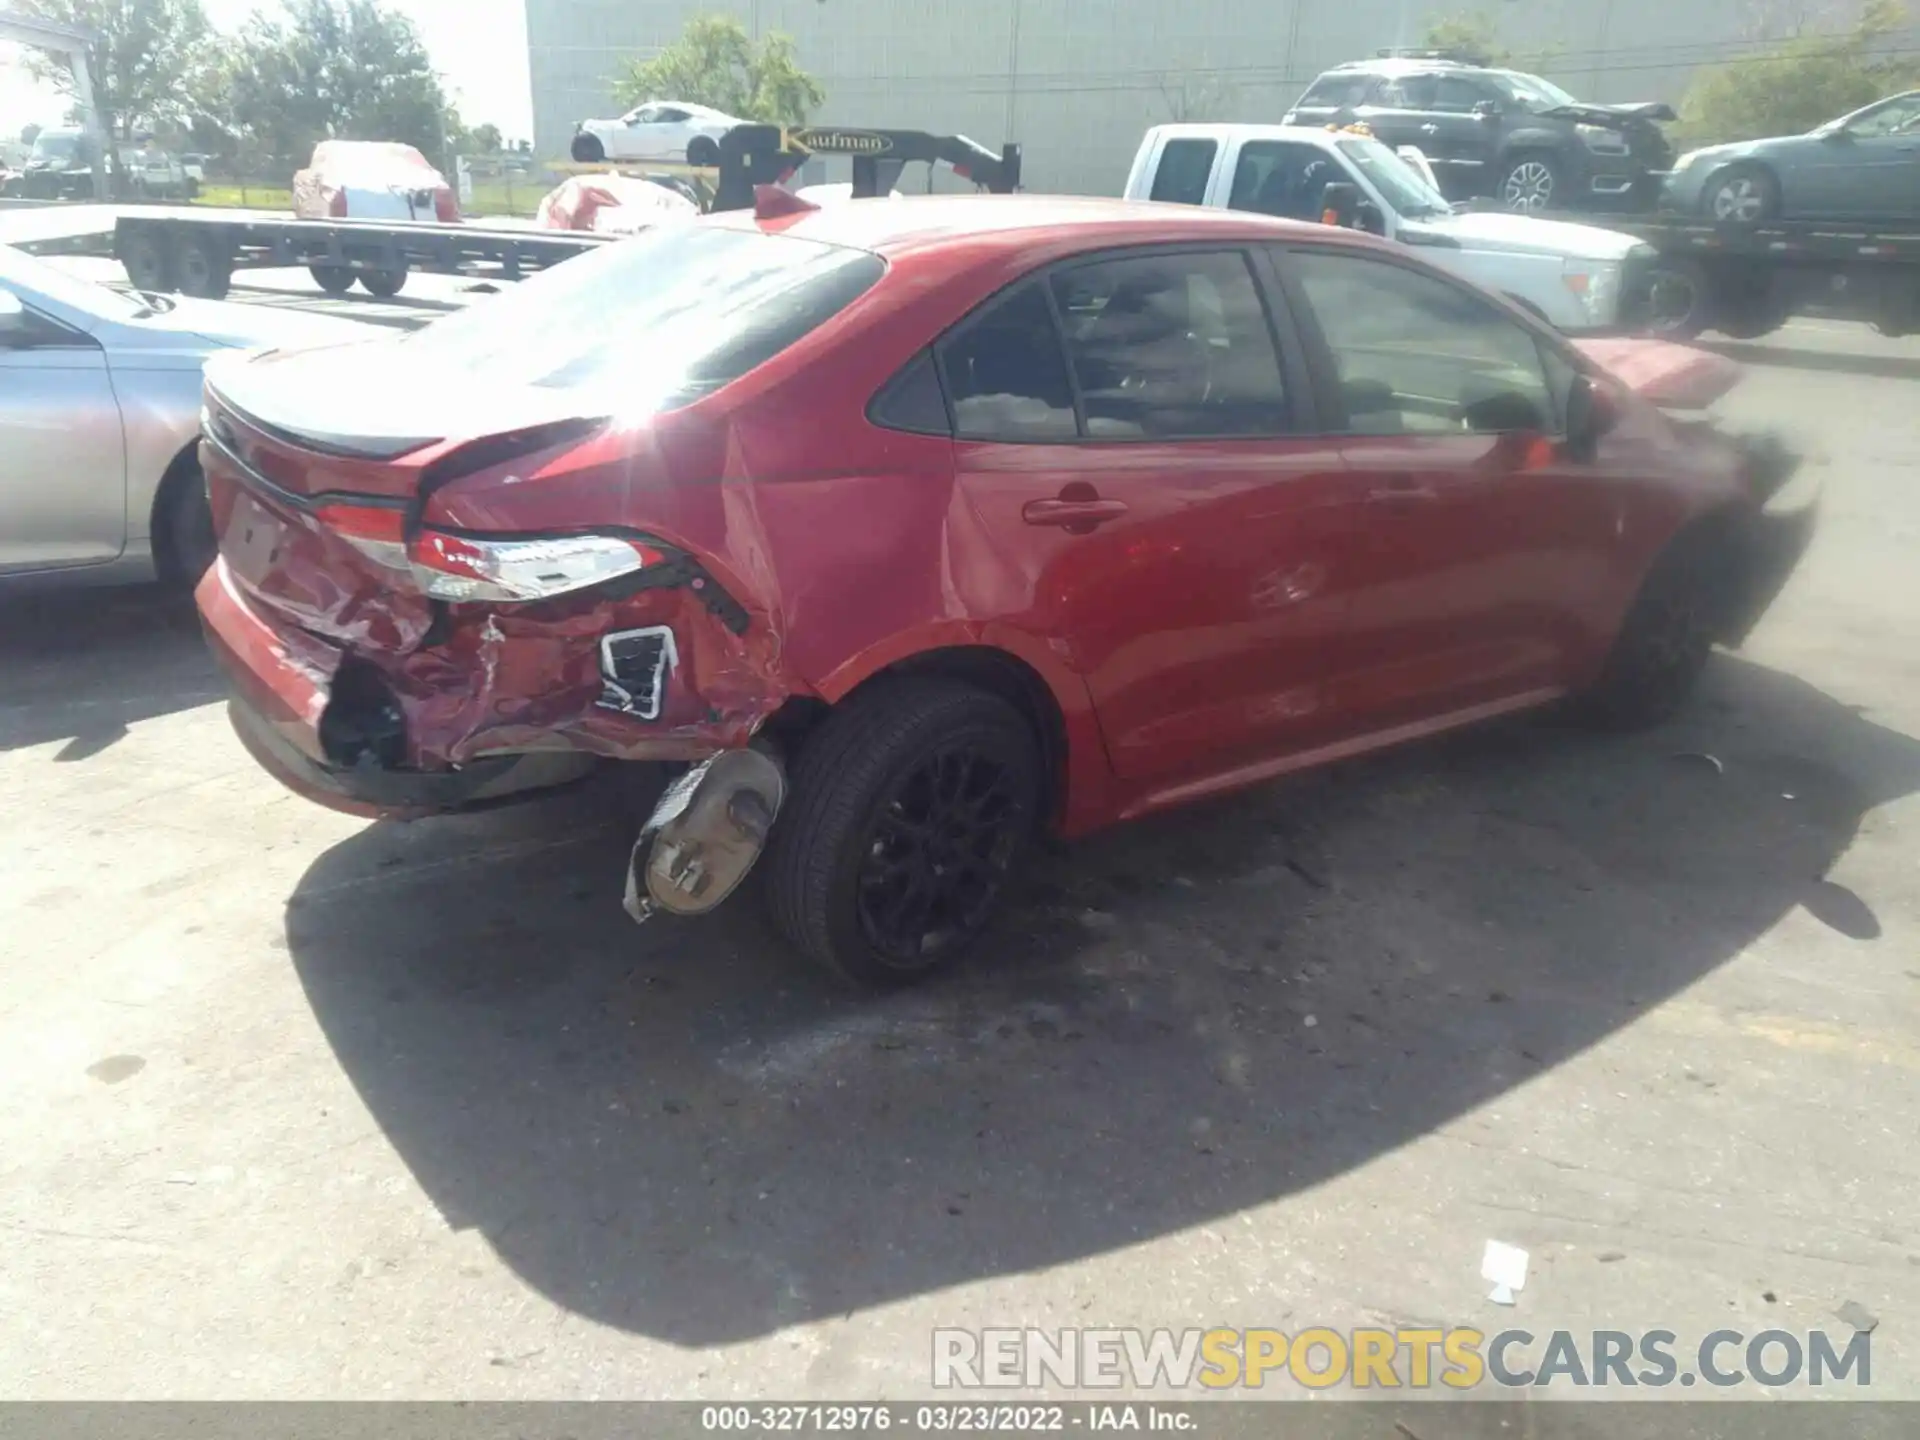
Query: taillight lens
x,y
473,568
463,568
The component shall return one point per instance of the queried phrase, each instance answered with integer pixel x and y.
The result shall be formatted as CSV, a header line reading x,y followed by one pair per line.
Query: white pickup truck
x,y
1579,278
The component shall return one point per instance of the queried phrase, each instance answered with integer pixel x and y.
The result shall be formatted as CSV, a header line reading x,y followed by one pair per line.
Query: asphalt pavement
x,y
299,1106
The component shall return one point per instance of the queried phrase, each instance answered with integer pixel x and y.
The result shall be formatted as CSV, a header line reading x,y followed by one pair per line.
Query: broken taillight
x,y
466,568
479,568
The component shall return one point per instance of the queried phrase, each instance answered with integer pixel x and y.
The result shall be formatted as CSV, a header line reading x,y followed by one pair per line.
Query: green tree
x,y
1803,81
1477,33
148,67
336,69
484,139
715,62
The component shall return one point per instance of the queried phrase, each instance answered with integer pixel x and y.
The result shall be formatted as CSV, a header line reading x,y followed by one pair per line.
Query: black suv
x,y
1515,138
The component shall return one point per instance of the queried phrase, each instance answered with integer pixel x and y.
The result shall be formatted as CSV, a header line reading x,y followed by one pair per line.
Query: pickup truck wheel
x,y
1530,183
1678,300
334,279
1741,195
908,810
587,149
384,283
1662,648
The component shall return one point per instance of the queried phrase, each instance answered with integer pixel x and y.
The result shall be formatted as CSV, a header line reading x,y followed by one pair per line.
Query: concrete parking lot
x,y
299,1106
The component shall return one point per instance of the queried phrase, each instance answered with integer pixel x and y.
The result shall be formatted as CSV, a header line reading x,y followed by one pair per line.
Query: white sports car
x,y
660,131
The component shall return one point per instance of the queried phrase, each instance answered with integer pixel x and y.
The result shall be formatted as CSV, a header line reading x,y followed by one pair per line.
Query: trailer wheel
x,y
588,150
334,279
204,267
148,260
703,150
384,283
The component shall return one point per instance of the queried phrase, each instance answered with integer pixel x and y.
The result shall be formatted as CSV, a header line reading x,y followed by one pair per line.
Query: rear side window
x,y
1005,376
1185,166
653,322
1334,90
1171,346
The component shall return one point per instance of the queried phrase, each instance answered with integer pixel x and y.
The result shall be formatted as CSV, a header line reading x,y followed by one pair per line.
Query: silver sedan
x,y
100,419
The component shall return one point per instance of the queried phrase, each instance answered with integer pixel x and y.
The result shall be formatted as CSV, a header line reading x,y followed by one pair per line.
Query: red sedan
x,y
914,526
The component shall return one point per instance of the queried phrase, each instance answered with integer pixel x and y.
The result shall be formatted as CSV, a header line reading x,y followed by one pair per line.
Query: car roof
x,y
1000,223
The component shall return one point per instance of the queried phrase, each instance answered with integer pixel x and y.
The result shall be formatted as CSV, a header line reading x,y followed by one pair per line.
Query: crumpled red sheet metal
x,y
1672,376
529,678
380,170
612,205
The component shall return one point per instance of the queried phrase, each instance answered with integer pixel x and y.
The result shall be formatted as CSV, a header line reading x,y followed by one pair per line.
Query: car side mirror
x,y
13,315
1487,109
1591,413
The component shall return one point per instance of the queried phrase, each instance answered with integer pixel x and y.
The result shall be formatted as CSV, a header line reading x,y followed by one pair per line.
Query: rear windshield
x,y
652,322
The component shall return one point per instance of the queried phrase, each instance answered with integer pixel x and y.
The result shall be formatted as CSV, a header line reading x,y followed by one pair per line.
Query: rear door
x,y
63,475
1399,109
1484,550
1136,440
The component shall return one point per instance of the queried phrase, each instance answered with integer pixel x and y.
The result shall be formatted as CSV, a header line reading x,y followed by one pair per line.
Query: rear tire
x,y
909,807
1531,183
384,283
1663,645
183,526
334,279
587,150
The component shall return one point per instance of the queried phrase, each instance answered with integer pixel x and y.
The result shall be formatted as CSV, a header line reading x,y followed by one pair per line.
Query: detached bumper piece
x,y
705,834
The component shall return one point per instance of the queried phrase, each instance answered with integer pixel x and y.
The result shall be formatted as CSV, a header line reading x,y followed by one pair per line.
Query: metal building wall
x,y
1077,81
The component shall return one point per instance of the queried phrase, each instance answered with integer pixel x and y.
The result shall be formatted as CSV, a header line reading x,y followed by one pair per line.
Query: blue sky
x,y
479,46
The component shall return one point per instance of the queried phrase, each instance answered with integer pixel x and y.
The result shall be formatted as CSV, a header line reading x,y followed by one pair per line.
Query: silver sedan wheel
x,y
1739,198
1529,187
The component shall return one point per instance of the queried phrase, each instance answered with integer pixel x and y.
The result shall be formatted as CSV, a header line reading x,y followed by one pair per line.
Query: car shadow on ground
x,y
682,1131
145,658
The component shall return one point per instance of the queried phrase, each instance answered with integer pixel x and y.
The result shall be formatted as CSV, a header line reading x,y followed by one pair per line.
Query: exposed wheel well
x,y
183,469
995,671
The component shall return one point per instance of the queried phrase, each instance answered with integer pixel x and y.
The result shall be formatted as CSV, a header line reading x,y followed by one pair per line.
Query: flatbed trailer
x,y
198,251
1746,281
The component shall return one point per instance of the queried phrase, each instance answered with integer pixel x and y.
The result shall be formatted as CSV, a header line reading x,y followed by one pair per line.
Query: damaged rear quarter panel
x,y
849,546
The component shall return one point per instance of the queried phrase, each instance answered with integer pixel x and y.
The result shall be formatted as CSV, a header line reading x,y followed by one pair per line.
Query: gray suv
x,y
1500,134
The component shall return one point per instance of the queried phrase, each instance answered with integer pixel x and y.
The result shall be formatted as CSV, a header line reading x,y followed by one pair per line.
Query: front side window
x,y
1416,354
653,322
1185,167
1896,117
1284,178
1171,346
1409,92
1005,376
1457,95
